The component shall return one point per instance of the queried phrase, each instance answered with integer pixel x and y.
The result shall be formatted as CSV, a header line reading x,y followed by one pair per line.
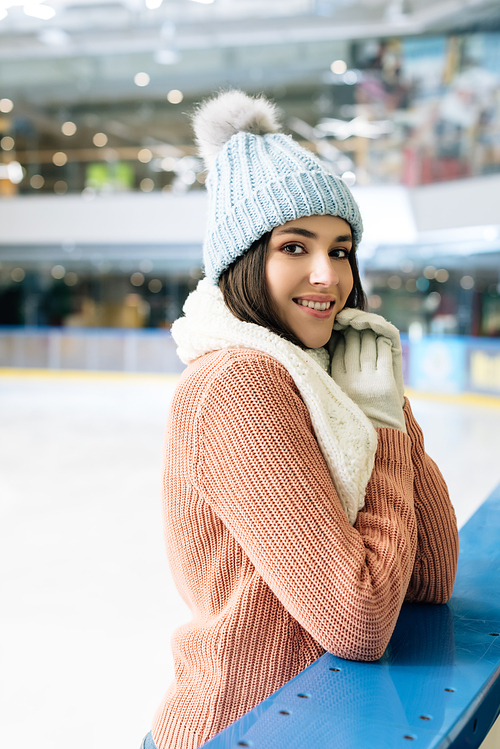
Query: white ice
x,y
88,602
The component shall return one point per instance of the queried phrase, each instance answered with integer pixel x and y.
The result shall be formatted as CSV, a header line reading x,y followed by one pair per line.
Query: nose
x,y
322,271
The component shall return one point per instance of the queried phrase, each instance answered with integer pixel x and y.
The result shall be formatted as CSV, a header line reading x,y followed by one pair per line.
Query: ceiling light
x,y
70,279
59,158
54,37
188,177
339,67
137,279
7,143
6,105
100,140
166,56
153,4
15,172
37,181
168,163
350,78
58,271
204,2
145,155
3,14
68,128
39,10
141,79
17,274
175,96
349,178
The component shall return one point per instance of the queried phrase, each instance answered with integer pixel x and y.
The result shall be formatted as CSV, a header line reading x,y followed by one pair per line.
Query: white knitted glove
x,y
359,320
362,364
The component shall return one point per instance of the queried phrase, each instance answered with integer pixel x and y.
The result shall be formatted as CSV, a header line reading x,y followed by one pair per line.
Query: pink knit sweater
x,y
262,552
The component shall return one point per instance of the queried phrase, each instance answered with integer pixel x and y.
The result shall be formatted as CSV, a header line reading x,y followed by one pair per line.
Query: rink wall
x,y
434,364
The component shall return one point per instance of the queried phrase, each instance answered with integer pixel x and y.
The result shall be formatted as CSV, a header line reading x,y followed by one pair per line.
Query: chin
x,y
314,341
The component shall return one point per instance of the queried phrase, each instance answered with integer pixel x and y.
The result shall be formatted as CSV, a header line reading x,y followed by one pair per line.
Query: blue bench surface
x,y
437,684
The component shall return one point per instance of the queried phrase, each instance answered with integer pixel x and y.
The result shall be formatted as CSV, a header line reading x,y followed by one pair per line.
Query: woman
x,y
300,507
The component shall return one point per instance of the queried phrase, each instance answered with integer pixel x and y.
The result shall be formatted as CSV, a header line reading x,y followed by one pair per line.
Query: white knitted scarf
x,y
345,436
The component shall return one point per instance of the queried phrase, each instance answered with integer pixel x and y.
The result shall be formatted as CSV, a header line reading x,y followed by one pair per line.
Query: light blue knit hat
x,y
258,178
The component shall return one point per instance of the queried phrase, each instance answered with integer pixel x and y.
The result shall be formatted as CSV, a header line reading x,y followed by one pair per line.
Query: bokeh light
x,y
100,140
338,67
7,143
145,155
146,266
68,128
37,181
6,106
58,271
168,163
60,158
394,282
175,96
349,178
374,301
70,279
442,275
17,275
141,79
137,279
155,285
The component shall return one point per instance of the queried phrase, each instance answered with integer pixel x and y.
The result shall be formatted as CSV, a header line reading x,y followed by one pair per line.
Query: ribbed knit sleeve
x,y
260,469
437,549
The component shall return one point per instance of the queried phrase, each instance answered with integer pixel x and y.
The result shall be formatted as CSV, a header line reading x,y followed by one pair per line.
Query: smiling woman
x,y
309,275
247,284
300,509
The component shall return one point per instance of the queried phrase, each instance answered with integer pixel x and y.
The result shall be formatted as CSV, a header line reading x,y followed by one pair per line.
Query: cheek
x,y
348,283
277,278
270,276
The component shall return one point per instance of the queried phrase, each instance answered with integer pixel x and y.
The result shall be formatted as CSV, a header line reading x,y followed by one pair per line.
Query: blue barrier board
x,y
437,685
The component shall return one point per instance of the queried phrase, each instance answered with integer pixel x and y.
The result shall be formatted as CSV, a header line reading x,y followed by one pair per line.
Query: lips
x,y
321,310
313,304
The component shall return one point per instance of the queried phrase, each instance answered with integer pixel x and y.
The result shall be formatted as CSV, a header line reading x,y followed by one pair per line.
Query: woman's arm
x,y
260,469
437,551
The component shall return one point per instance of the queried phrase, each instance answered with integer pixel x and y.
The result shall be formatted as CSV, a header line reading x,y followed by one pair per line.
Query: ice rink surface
x,y
88,603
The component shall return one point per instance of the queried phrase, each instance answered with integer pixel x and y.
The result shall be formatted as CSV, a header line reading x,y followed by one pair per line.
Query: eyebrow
x,y
312,235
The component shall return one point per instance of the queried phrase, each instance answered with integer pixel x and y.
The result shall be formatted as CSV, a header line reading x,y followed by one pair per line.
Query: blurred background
x,y
102,213
102,201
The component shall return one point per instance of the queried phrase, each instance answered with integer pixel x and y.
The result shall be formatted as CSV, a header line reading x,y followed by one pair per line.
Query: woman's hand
x,y
363,365
359,320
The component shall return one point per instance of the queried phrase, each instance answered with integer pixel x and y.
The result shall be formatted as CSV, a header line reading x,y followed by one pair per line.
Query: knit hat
x,y
258,178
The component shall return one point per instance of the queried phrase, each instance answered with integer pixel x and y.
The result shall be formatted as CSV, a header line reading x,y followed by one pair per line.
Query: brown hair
x,y
246,295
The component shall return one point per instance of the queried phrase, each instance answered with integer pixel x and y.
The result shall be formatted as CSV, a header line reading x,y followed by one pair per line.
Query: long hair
x,y
244,288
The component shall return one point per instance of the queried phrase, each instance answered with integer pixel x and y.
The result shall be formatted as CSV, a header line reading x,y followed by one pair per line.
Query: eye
x,y
340,253
293,249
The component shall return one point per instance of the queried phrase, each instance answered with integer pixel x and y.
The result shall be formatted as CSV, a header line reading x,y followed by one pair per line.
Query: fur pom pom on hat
x,y
218,119
258,178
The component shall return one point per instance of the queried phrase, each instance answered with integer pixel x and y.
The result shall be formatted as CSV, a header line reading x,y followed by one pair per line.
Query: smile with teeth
x,y
313,305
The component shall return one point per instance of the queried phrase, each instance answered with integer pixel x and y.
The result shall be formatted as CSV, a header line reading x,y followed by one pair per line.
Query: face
x,y
309,276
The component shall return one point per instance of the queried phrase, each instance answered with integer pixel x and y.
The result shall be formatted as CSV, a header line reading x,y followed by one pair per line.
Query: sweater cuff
x,y
393,445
